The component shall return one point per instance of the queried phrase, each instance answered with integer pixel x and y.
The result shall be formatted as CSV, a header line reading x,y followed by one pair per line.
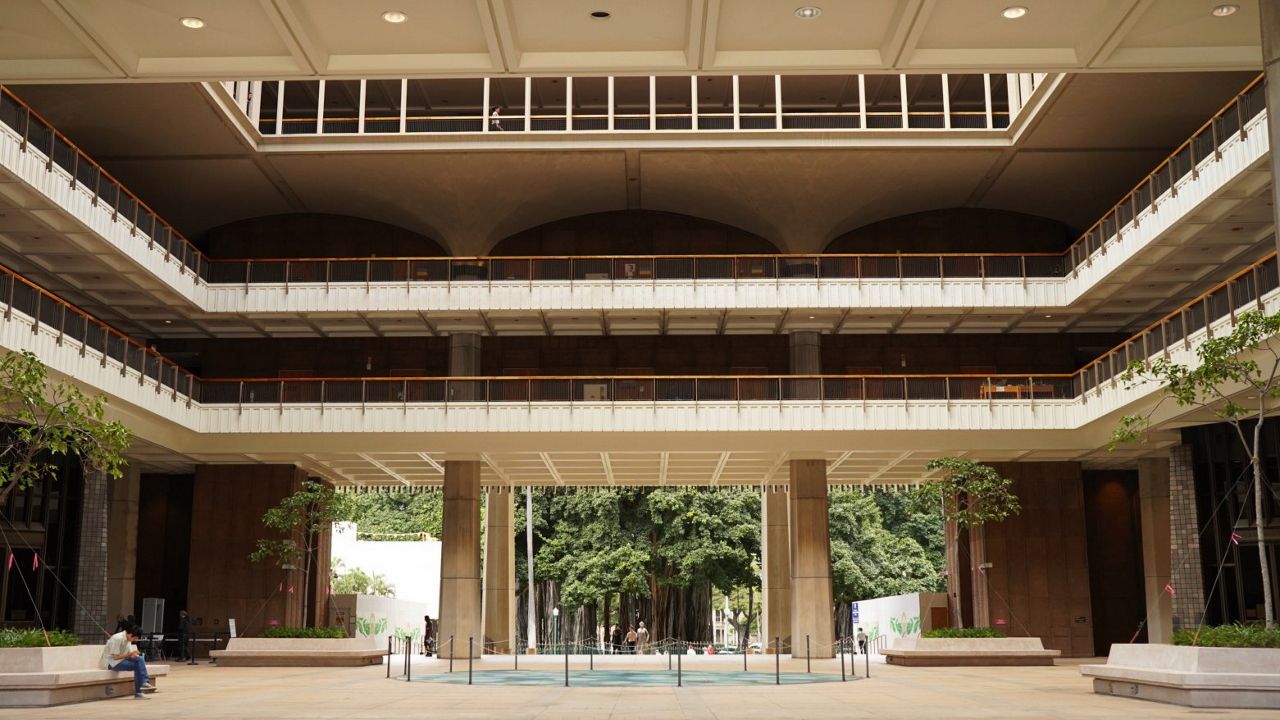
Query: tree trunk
x,y
1258,482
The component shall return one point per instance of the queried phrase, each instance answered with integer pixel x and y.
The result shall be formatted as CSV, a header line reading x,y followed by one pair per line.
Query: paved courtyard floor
x,y
206,691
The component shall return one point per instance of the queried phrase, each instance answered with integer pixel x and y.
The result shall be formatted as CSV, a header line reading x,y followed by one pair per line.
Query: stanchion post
x,y
679,671
408,664
191,654
840,651
515,653
566,665
388,657
471,654
669,651
867,655
451,653
744,657
777,660
808,657
591,655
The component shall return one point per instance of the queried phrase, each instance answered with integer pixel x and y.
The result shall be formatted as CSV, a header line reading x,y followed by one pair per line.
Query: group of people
x,y
633,642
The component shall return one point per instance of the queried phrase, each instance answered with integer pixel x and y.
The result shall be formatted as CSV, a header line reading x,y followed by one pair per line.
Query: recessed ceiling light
x,y
395,17
168,322
1013,12
194,23
601,14
1225,10
808,12
1046,317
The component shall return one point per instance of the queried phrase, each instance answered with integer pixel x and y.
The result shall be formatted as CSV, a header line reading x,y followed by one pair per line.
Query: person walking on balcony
x,y
495,119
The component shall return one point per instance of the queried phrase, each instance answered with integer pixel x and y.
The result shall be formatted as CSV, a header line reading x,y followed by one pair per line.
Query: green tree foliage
x,y
1228,380
297,522
381,516
867,559
357,581
45,421
969,493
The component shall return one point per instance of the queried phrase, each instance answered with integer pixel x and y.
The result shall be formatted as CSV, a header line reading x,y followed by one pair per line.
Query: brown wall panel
x,y
1039,583
227,505
1113,520
316,235
955,230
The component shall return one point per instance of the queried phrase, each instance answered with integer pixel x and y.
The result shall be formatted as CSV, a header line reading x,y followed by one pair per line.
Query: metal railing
x,y
1242,292
1204,145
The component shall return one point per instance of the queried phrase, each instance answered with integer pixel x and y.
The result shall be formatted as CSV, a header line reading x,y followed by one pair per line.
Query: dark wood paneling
x,y
634,232
226,522
964,353
164,543
1039,580
957,230
316,235
1114,534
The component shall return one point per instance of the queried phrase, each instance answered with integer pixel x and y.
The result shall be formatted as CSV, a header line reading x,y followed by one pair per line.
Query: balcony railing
x,y
81,172
632,104
1242,292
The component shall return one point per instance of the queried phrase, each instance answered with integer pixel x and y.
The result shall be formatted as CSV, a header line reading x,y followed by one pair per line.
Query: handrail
x,y
1242,290
190,250
1092,240
475,118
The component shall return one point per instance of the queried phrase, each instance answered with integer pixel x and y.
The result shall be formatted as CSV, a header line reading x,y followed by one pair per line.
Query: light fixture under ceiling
x,y
1013,12
808,12
395,17
1225,10
193,23
601,15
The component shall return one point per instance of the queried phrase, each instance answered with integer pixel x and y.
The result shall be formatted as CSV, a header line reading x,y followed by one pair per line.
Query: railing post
x,y
808,658
388,657
471,640
777,660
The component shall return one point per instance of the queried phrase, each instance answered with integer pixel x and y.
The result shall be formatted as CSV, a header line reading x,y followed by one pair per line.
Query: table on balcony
x,y
1017,391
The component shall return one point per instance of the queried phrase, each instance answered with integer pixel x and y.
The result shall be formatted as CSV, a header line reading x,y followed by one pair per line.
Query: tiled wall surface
x,y
1187,582
91,568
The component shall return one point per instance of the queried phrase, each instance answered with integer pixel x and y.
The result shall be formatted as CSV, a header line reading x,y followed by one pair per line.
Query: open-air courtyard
x,y
206,691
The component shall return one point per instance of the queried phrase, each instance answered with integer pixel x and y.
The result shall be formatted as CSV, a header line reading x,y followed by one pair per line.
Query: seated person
x,y
121,654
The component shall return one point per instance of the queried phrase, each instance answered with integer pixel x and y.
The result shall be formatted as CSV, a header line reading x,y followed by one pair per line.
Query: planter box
x,y
953,652
40,677
1192,676
299,652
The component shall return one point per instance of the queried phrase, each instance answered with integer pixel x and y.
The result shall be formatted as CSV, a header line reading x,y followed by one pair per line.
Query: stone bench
x,y
1192,676
964,652
299,652
40,677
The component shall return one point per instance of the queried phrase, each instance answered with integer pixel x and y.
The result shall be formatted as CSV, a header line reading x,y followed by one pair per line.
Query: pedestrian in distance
x,y
495,119
642,639
428,634
862,641
632,637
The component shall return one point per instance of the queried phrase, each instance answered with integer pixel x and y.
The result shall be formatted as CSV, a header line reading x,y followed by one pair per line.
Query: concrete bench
x,y
40,677
299,652
1192,676
965,652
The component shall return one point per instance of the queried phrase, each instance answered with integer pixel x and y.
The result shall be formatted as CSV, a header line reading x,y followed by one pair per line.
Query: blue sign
x,y
854,613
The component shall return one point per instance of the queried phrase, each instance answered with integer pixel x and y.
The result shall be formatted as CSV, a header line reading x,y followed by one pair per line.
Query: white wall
x,y
898,616
412,567
399,614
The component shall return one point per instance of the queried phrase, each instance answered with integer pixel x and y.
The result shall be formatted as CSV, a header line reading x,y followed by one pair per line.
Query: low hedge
x,y
322,633
963,633
1230,636
34,637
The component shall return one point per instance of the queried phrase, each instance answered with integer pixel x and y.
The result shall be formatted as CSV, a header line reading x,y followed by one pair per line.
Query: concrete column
x,y
1269,17
91,565
775,568
460,598
806,352
464,360
812,611
499,571
122,542
1185,573
1153,494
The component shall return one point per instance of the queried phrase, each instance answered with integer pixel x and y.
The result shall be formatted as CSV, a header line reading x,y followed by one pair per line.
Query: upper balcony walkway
x,y
638,111
1205,182
173,409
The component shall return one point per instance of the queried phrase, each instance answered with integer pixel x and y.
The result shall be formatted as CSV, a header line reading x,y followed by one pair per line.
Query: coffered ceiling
x,y
112,40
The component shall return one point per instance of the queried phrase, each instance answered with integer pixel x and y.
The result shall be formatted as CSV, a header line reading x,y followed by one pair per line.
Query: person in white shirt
x,y
122,655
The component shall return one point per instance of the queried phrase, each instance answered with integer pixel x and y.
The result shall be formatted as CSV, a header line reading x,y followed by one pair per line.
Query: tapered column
x,y
1269,15
1153,493
812,611
464,361
460,614
499,571
775,561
